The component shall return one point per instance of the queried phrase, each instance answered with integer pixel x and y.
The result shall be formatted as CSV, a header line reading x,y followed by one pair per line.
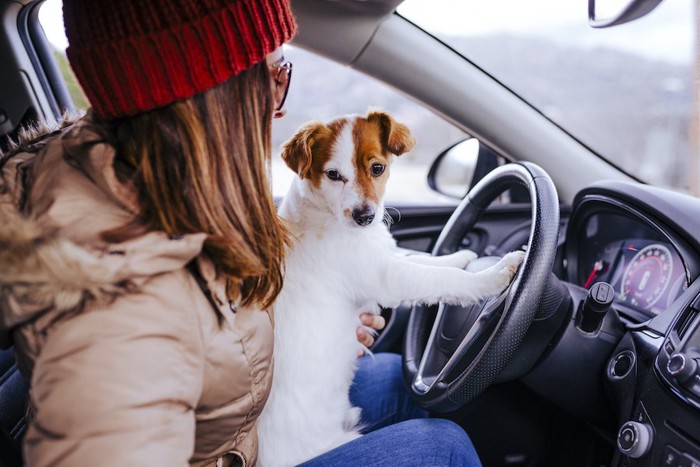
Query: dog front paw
x,y
508,266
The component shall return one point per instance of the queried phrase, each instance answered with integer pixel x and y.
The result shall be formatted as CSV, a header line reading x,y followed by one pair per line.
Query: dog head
x,y
344,164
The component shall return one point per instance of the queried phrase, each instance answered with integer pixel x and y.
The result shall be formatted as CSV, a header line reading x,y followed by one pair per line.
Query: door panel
x,y
417,228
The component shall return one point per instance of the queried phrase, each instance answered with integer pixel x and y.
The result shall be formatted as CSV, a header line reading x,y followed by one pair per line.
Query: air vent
x,y
688,318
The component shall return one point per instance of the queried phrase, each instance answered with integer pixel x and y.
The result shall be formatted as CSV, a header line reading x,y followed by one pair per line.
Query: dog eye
x,y
377,170
334,175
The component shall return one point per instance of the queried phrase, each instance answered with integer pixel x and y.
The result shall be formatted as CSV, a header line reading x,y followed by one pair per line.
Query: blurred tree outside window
x,y
51,19
76,92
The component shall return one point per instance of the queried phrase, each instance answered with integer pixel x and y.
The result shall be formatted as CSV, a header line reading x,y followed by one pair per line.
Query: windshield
x,y
626,92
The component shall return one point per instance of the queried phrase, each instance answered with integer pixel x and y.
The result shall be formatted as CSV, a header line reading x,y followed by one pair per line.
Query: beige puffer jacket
x,y
129,361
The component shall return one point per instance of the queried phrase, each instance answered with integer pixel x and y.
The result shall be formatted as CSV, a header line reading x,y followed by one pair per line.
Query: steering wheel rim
x,y
520,301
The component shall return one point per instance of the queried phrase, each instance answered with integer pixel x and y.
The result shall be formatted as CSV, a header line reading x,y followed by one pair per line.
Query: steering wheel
x,y
449,363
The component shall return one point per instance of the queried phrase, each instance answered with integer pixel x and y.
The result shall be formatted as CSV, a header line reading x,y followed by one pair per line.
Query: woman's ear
x,y
396,136
297,153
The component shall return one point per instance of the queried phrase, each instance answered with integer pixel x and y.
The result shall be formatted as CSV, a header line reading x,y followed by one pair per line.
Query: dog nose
x,y
363,216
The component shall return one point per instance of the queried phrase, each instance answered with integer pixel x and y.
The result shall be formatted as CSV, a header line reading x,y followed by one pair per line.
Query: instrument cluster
x,y
641,263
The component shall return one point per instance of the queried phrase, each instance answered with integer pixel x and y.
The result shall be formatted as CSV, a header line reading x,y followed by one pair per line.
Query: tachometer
x,y
647,276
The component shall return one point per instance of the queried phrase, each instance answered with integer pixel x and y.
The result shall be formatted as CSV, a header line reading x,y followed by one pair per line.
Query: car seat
x,y
13,406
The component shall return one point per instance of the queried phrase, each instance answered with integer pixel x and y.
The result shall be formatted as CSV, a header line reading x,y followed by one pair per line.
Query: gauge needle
x,y
597,267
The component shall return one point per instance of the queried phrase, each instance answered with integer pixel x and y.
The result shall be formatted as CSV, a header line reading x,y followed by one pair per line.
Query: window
x,y
626,92
51,19
322,89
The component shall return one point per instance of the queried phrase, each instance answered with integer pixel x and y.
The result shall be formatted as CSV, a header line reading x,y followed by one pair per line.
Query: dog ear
x,y
397,137
297,152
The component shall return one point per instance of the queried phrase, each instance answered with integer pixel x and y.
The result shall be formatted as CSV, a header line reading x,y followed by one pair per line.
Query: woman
x,y
140,247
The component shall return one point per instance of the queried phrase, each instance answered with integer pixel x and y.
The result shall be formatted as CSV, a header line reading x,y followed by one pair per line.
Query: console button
x,y
682,367
671,457
687,461
634,439
627,438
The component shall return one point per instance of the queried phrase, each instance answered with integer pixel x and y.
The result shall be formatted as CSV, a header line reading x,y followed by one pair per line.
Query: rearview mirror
x,y
606,13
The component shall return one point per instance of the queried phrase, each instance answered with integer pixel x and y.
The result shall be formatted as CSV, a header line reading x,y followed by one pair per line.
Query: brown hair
x,y
201,165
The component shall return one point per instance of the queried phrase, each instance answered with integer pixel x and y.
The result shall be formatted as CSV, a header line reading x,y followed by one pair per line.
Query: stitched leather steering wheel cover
x,y
523,297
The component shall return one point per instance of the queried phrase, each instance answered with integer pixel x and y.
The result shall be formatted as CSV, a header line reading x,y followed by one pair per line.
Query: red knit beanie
x,y
131,56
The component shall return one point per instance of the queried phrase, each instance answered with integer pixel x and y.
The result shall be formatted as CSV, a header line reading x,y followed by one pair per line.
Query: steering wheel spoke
x,y
457,335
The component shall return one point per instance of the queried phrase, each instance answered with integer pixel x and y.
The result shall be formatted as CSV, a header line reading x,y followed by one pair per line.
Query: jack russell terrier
x,y
343,260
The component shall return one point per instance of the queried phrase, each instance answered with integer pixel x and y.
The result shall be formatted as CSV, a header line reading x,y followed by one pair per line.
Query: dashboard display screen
x,y
643,268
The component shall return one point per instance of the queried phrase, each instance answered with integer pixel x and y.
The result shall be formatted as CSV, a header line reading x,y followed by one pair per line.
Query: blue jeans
x,y
397,432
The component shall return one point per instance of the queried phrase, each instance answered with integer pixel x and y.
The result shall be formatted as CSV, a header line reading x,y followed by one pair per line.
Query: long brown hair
x,y
202,165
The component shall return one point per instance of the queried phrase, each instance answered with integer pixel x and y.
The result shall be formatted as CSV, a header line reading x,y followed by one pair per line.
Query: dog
x,y
343,260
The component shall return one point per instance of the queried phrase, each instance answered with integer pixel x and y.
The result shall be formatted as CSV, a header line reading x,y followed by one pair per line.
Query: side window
x,y
51,19
322,89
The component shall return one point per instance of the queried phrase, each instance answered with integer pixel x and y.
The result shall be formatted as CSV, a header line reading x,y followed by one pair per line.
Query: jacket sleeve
x,y
118,385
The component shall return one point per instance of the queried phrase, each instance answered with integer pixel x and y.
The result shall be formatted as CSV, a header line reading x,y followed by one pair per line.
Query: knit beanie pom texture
x,y
131,56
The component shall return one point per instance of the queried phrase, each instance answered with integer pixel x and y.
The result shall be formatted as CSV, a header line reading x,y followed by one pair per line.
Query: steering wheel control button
x,y
595,306
634,439
682,367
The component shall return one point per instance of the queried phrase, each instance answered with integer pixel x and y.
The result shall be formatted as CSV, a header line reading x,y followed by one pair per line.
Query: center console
x,y
655,379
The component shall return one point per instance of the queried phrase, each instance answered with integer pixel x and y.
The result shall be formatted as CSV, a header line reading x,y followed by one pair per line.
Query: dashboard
x,y
645,243
647,263
642,264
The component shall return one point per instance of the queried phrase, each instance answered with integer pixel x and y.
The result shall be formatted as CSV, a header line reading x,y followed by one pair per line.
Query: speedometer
x,y
647,276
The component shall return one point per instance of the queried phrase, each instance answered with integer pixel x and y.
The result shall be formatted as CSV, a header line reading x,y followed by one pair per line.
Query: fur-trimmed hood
x,y
52,212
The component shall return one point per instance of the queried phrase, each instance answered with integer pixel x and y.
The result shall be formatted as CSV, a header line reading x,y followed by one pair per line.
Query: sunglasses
x,y
282,75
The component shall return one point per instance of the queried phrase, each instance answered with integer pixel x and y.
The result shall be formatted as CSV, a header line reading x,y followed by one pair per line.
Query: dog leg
x,y
405,281
459,259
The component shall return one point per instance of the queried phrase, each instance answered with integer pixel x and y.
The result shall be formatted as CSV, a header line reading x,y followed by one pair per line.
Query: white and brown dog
x,y
343,260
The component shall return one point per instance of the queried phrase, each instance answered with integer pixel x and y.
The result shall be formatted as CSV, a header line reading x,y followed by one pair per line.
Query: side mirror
x,y
606,13
458,167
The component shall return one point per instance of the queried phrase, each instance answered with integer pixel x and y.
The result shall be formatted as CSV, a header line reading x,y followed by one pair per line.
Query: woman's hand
x,y
365,336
